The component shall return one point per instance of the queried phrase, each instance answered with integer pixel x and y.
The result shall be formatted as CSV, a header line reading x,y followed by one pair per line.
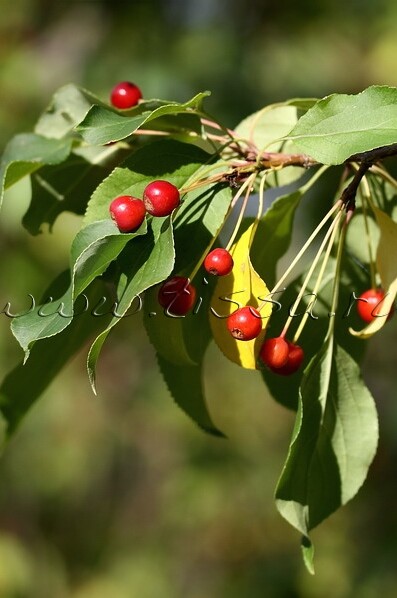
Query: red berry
x,y
274,352
177,295
245,323
128,212
370,305
161,198
218,262
125,95
294,360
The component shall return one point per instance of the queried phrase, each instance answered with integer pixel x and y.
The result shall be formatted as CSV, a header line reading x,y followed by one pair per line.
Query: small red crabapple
x,y
294,360
128,212
369,305
125,95
274,352
177,295
161,198
245,323
219,262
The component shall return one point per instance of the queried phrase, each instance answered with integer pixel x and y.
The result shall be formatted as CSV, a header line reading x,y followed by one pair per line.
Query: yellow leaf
x,y
243,286
387,267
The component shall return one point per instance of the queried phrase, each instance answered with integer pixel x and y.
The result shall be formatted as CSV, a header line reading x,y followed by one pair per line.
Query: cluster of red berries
x,y
178,296
160,198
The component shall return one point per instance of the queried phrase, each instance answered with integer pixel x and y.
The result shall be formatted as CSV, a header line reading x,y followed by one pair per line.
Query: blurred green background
x,y
121,496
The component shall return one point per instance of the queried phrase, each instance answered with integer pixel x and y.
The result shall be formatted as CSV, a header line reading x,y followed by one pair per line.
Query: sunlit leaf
x,y
340,125
243,286
103,125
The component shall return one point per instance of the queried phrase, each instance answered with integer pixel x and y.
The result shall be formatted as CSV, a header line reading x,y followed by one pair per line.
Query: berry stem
x,y
335,290
328,215
335,228
365,194
199,180
328,238
247,187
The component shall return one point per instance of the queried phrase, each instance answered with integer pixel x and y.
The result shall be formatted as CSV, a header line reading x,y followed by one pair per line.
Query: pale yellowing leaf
x,y
243,286
387,268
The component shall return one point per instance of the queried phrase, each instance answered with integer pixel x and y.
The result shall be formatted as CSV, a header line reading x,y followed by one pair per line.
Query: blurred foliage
x,y
120,496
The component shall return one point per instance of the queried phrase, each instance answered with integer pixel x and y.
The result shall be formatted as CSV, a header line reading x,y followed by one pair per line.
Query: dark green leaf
x,y
186,387
65,187
340,125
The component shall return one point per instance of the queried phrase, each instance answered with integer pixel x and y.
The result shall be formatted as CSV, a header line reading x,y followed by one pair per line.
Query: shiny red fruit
x,y
294,361
125,95
161,198
245,323
274,352
219,262
128,212
370,305
177,295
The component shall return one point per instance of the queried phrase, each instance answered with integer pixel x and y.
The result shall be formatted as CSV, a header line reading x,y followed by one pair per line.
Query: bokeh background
x,y
121,496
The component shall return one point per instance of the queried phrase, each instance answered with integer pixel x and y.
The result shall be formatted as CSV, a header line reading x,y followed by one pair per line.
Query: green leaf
x,y
25,383
28,152
340,125
333,443
167,158
143,263
93,249
67,108
186,387
103,125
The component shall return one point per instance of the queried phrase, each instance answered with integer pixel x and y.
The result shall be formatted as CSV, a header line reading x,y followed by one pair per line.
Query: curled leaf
x,y
387,268
243,286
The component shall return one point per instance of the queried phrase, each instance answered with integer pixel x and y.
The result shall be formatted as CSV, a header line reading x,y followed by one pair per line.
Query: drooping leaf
x,y
103,125
341,125
28,152
243,286
93,249
333,442
186,387
387,267
180,343
67,108
144,263
26,382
